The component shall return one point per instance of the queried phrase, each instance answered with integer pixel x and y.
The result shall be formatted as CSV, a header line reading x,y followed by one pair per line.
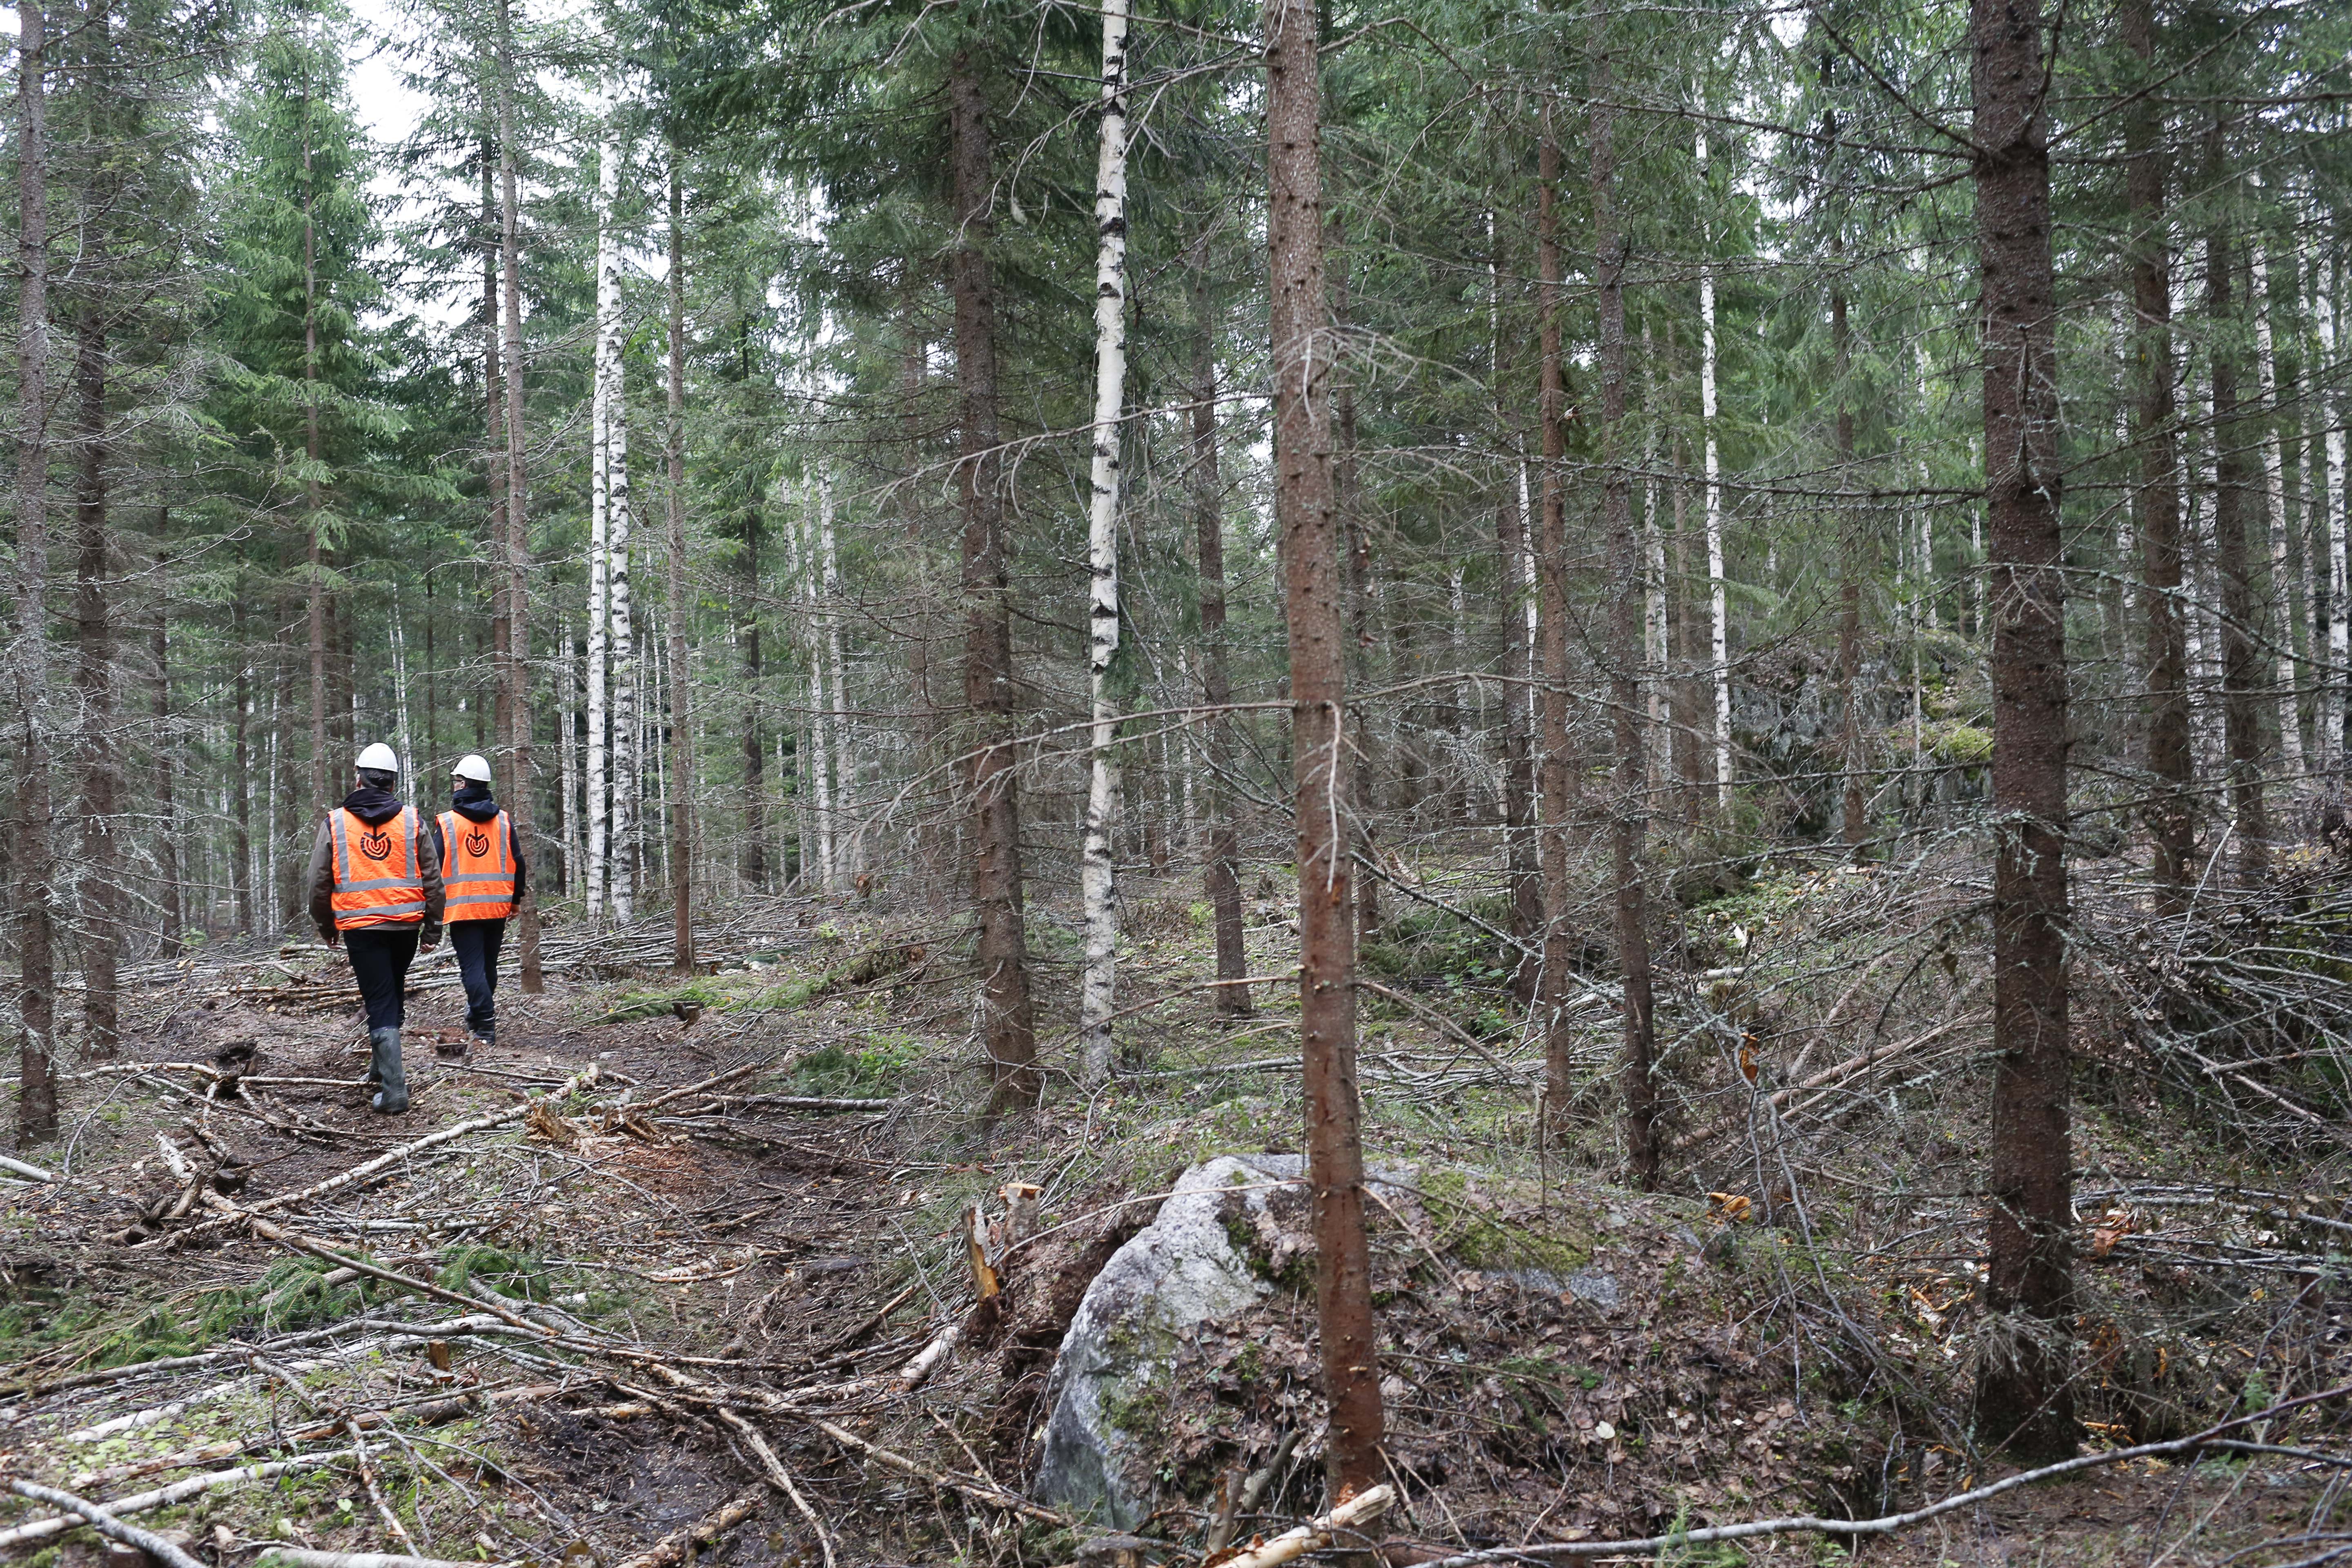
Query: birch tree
x,y
1719,622
1097,979
605,398
2290,720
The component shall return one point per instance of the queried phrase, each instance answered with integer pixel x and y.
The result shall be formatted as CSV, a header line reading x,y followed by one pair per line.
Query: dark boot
x,y
390,1097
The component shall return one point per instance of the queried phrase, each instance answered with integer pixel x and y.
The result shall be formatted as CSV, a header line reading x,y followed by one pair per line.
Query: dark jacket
x,y
475,805
374,807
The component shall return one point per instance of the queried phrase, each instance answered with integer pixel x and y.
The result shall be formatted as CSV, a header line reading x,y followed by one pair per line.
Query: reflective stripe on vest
x,y
379,879
476,872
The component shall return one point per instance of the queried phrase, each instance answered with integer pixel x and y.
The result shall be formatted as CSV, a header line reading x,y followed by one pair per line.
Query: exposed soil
x,y
1564,1361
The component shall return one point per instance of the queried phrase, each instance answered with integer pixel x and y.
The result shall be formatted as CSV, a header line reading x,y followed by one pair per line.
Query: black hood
x,y
372,805
474,803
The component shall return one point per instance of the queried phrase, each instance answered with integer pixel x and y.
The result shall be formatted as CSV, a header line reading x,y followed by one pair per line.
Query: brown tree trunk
x,y
1551,561
100,937
1003,950
2022,1400
2241,672
322,772
523,778
1629,812
1307,513
33,854
1221,872
494,455
2170,811
677,677
1849,573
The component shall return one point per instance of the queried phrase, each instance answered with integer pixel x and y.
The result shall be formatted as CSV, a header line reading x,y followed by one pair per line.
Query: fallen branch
x,y
1886,1524
165,1497
679,1544
300,1557
974,1488
316,1248
781,1478
1361,1509
392,1157
429,1412
106,1524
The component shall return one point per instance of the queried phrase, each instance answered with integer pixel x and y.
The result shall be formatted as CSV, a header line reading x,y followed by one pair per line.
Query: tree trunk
x,y
322,773
1851,566
1221,873
1010,1028
1629,812
819,709
624,859
241,872
100,937
598,783
847,851
1719,625
1656,704
2171,812
1362,760
2333,506
1551,551
1521,867
675,674
169,866
32,855
1097,979
755,751
2240,671
1307,513
523,776
2283,622
2023,1402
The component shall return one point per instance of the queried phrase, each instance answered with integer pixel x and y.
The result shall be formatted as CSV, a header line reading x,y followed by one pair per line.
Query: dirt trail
x,y
627,1311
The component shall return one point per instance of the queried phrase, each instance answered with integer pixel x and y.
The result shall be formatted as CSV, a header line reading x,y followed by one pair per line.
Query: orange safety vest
x,y
476,869
379,880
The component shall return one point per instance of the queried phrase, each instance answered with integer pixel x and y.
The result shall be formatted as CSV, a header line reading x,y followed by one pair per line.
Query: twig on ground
x,y
106,1524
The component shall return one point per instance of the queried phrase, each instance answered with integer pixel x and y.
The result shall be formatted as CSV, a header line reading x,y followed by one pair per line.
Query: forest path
x,y
768,1243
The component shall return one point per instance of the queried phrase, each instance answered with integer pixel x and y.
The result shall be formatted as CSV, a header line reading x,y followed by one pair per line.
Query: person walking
x,y
376,891
485,880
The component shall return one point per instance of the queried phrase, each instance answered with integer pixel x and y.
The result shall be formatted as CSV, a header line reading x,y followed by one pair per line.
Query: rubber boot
x,y
392,1091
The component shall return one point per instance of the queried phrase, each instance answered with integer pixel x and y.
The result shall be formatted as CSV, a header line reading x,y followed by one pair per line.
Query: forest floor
x,y
719,1218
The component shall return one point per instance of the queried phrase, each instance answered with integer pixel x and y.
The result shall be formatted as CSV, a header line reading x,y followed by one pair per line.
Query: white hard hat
x,y
471,766
379,758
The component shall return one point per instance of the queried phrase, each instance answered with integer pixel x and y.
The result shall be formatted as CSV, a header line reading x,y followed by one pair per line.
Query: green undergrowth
x,y
293,1295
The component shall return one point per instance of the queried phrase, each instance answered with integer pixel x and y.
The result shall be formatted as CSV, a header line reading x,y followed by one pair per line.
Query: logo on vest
x,y
477,844
375,845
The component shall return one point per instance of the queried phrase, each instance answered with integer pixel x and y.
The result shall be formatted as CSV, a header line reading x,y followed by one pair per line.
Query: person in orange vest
x,y
376,891
485,878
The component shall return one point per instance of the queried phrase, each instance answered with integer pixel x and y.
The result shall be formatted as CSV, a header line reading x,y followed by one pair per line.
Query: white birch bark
x,y
622,859
2290,717
1097,883
567,750
597,764
2332,513
820,725
847,856
1719,632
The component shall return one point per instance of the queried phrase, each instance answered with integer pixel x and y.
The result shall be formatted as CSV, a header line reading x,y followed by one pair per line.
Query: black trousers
x,y
380,959
476,943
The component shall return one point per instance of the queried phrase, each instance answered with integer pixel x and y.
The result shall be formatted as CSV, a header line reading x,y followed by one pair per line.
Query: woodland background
x,y
705,415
